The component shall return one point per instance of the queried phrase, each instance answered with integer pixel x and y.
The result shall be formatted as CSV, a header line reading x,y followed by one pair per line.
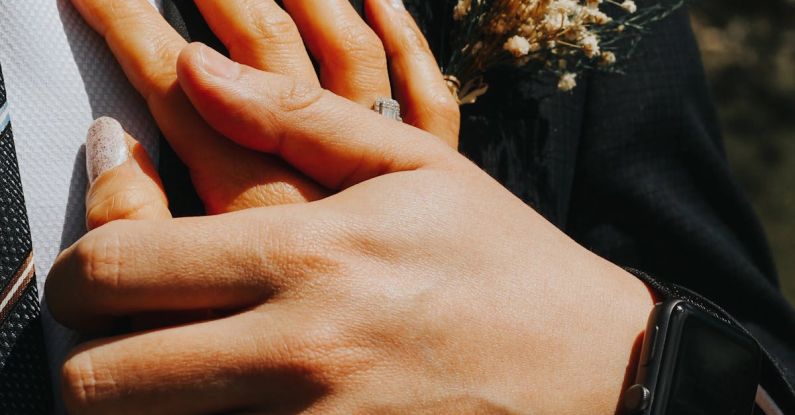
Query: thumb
x,y
124,182
334,141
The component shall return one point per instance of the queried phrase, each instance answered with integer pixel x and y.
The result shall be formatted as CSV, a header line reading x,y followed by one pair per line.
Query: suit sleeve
x,y
652,190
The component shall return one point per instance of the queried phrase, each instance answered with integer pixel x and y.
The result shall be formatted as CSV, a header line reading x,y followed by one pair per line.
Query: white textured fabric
x,y
60,76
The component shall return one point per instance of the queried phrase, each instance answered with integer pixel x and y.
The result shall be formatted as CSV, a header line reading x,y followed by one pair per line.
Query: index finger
x,y
231,261
148,57
143,42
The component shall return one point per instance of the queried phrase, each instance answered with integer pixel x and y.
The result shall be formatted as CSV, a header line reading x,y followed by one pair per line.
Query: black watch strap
x,y
776,394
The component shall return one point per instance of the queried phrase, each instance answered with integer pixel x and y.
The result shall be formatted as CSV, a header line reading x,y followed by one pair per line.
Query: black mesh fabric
x,y
24,379
24,384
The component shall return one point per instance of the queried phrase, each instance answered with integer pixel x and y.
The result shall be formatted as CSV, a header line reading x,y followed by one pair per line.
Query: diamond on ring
x,y
388,107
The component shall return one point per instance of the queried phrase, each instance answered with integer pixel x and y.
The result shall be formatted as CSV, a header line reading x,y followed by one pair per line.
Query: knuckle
x,y
82,384
413,41
282,193
127,203
446,105
114,11
153,70
329,352
267,27
164,52
297,96
99,261
290,103
442,106
360,45
293,253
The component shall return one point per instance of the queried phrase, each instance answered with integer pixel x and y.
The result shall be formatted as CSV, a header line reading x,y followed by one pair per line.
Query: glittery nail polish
x,y
106,147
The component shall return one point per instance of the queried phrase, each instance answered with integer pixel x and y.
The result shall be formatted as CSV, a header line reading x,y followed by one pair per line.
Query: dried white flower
x,y
462,9
556,22
590,45
596,16
563,37
566,6
567,81
629,6
517,46
608,58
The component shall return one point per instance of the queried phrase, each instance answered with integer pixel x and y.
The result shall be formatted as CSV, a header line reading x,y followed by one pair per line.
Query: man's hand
x,y
352,57
422,286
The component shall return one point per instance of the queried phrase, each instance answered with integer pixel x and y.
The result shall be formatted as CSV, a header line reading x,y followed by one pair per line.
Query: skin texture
x,y
260,34
420,285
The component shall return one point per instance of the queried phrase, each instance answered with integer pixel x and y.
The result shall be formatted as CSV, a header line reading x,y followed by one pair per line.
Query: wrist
x,y
633,303
613,309
647,299
571,332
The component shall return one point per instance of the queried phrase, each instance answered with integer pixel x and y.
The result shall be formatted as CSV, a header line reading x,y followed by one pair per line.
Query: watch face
x,y
715,368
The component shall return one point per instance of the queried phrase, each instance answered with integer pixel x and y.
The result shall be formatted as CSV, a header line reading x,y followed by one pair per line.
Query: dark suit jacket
x,y
631,166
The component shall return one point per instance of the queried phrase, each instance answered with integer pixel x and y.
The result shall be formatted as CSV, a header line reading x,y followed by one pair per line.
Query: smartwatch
x,y
693,363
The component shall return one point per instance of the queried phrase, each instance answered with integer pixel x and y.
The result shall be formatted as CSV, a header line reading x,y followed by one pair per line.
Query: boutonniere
x,y
561,37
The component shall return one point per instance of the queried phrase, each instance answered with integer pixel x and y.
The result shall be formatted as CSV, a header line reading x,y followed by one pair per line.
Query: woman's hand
x,y
258,33
422,286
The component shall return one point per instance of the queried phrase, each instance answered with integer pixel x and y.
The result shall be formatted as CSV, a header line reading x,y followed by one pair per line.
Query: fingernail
x,y
106,147
219,65
398,4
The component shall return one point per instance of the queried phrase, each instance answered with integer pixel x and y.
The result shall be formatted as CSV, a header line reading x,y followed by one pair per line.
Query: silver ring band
x,y
388,107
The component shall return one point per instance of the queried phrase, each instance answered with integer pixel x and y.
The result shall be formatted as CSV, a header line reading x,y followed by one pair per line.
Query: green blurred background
x,y
748,49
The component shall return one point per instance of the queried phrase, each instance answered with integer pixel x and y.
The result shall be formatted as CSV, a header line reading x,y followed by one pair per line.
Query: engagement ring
x,y
388,107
